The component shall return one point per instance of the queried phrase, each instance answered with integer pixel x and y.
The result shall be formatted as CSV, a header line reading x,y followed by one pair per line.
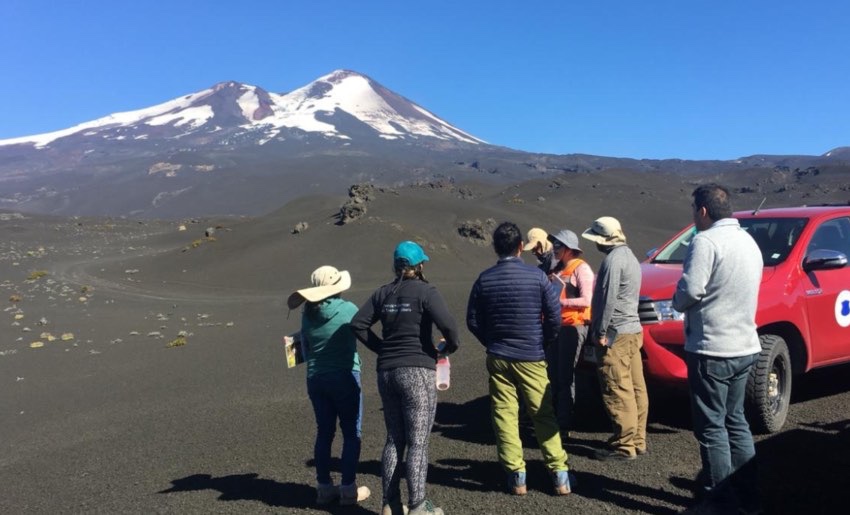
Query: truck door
x,y
828,295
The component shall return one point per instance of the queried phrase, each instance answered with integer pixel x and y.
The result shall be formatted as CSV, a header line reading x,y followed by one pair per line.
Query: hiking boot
x,y
426,507
326,494
561,482
353,494
394,508
612,455
516,483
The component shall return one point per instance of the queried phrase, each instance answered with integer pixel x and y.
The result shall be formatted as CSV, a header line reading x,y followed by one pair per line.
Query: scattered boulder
x,y
350,212
361,193
300,227
355,206
466,193
477,232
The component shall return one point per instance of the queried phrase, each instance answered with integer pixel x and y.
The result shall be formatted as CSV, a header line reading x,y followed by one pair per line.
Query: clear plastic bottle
x,y
443,372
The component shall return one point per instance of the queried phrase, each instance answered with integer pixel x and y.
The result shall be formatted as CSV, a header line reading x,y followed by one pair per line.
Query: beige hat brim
x,y
317,293
547,245
530,245
595,237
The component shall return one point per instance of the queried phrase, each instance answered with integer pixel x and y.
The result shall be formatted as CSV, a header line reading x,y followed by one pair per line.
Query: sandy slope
x,y
115,420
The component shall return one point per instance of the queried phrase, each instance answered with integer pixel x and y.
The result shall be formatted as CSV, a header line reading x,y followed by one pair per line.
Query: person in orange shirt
x,y
576,280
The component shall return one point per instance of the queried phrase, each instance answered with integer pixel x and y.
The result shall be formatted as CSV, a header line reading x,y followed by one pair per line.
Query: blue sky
x,y
688,79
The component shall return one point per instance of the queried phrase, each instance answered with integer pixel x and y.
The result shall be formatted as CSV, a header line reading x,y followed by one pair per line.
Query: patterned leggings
x,y
409,395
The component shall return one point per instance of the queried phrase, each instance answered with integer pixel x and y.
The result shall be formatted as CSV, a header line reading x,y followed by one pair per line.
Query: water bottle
x,y
443,372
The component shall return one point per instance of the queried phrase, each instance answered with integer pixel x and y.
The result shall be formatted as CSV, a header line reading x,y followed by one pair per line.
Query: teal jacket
x,y
328,342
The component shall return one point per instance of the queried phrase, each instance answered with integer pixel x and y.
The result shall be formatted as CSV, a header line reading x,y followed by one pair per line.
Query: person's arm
x,y
473,320
443,319
362,322
584,284
551,313
609,290
696,273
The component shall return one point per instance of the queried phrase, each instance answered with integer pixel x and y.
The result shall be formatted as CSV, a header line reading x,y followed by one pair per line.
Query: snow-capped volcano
x,y
326,106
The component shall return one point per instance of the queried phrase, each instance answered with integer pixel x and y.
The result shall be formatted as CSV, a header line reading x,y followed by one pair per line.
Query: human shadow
x,y
250,487
799,471
463,474
471,422
802,465
466,422
622,494
668,408
486,475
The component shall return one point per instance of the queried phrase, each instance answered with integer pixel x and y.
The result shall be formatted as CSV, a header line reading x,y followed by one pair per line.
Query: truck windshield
x,y
774,236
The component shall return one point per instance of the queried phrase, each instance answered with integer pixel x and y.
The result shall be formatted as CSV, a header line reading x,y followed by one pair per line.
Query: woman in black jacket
x,y
408,308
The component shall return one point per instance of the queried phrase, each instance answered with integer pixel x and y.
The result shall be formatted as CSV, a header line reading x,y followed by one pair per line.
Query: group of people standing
x,y
534,323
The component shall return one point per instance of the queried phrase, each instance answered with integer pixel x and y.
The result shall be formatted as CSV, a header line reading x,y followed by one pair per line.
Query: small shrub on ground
x,y
36,275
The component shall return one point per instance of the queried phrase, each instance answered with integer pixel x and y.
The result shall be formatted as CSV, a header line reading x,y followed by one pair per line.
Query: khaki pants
x,y
509,380
624,392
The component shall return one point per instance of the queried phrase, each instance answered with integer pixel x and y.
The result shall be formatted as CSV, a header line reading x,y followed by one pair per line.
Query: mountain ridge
x,y
234,149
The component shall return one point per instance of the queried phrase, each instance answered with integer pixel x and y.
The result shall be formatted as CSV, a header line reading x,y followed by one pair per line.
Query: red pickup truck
x,y
803,312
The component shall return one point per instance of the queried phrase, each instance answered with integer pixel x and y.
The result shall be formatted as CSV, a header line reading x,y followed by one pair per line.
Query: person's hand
x,y
603,341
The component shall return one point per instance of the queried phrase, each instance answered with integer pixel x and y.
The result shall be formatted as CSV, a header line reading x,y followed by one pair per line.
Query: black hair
x,y
506,239
715,199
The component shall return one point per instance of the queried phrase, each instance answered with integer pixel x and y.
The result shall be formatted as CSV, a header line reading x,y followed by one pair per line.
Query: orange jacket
x,y
572,315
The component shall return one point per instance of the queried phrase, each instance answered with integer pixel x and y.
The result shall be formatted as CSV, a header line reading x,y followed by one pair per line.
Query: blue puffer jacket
x,y
513,311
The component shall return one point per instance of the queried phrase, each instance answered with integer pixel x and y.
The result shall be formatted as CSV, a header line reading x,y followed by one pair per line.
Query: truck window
x,y
832,235
676,250
774,236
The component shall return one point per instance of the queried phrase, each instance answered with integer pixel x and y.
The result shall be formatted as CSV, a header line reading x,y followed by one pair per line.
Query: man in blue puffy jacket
x,y
514,313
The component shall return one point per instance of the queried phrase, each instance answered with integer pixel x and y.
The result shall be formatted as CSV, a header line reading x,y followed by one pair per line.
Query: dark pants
x,y
725,442
561,360
336,395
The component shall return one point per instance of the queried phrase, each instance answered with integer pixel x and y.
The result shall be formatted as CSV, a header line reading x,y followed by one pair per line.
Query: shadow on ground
x,y
250,487
800,471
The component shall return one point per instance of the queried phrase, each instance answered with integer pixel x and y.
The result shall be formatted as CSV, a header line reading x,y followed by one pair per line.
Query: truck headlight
x,y
666,312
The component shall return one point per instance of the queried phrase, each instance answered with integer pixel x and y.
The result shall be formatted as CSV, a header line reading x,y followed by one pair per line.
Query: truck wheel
x,y
769,386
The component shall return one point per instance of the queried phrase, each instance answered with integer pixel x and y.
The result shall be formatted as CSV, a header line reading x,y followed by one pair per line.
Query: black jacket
x,y
408,310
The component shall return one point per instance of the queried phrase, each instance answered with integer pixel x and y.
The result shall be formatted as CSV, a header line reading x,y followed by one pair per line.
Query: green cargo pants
x,y
508,380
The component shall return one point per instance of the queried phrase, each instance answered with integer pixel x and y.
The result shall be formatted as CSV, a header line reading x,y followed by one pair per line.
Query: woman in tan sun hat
x,y
333,379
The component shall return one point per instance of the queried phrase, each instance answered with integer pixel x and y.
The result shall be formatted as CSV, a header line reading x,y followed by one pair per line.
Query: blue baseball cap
x,y
411,252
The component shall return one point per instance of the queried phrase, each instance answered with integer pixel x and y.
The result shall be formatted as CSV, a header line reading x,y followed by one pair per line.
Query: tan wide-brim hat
x,y
327,282
605,230
537,235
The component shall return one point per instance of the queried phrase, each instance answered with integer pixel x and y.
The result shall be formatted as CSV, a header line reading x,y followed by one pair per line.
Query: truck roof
x,y
792,212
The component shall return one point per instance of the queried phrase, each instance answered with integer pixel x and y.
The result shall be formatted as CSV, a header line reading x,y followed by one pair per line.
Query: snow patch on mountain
x,y
309,109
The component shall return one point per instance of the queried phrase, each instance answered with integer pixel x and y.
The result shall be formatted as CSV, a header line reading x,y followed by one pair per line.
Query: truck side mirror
x,y
824,259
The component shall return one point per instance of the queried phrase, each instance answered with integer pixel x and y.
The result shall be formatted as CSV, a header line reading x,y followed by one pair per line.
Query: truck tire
x,y
769,386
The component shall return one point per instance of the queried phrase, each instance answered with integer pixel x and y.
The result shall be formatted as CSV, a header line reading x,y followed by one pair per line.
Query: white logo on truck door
x,y
842,308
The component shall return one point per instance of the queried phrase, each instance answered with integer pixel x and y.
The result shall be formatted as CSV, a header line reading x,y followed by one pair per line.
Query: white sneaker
x,y
353,494
394,508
